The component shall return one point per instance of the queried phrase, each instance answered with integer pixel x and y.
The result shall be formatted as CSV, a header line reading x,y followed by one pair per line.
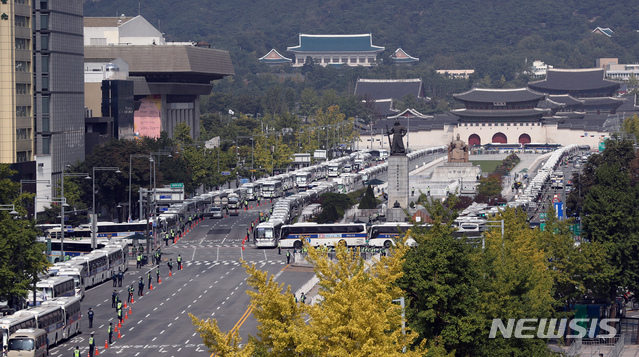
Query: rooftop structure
x,y
500,105
401,57
603,31
579,83
456,73
397,89
351,50
274,58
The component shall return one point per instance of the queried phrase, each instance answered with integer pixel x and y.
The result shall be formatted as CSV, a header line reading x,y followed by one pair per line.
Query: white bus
x,y
28,343
350,234
233,204
334,169
12,323
72,314
97,264
50,319
51,288
78,272
253,190
303,179
117,257
385,235
268,233
272,189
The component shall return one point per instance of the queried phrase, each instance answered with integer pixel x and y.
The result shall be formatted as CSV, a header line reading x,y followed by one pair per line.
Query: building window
x,y
354,60
371,59
327,60
44,42
22,134
22,88
45,124
22,111
44,4
46,145
44,64
362,60
98,41
335,59
44,22
22,44
344,59
22,21
45,83
45,105
23,2
21,156
22,66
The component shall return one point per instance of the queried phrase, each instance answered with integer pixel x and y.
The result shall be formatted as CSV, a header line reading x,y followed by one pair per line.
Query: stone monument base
x,y
395,215
397,188
456,170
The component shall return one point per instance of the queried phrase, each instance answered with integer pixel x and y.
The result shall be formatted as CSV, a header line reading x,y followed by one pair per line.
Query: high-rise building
x,y
58,86
16,95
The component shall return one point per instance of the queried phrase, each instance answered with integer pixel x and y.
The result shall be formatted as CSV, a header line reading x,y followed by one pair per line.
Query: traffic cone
x,y
116,328
106,344
150,287
132,300
119,335
120,324
126,316
97,353
170,274
125,304
130,312
159,282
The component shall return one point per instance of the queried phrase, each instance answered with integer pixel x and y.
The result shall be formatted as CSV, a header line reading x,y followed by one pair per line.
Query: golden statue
x,y
457,151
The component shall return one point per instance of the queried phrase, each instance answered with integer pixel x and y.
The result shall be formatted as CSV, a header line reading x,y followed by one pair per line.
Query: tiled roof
x,y
400,56
485,95
565,99
384,107
432,123
167,59
105,21
602,101
604,30
377,89
412,113
629,104
335,43
274,57
499,113
587,123
570,80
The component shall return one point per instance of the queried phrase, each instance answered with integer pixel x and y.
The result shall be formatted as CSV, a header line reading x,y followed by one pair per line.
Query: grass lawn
x,y
486,165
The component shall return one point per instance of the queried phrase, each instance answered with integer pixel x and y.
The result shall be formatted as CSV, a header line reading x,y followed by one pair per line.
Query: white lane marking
x,y
183,311
187,341
161,332
137,354
100,328
139,322
199,297
217,257
154,338
171,295
265,258
188,307
170,324
161,304
193,257
147,315
177,317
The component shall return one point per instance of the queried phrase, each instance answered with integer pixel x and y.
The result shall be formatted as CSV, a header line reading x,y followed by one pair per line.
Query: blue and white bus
x,y
10,324
268,233
51,319
349,234
97,265
385,235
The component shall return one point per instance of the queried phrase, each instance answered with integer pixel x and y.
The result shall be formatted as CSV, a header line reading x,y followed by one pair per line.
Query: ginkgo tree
x,y
354,315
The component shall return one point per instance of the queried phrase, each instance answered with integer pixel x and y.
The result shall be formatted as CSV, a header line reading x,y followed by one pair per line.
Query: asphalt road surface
x,y
211,285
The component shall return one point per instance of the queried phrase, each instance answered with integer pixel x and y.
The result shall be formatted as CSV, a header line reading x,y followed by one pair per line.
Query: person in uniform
x,y
179,261
110,331
113,296
90,314
157,274
130,298
170,265
120,277
141,287
288,257
76,352
91,345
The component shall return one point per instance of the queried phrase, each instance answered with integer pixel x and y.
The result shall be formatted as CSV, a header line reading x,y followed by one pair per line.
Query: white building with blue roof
x,y
336,50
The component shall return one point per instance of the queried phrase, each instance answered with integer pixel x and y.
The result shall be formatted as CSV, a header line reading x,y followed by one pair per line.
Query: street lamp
x,y
11,208
64,204
35,205
94,218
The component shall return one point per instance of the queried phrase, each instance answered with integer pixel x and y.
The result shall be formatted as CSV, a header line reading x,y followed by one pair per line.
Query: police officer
x,y
90,314
119,305
110,331
157,273
138,261
170,265
141,287
120,277
91,345
413,191
120,316
166,239
131,289
148,275
279,248
303,298
114,277
76,352
179,261
113,297
288,257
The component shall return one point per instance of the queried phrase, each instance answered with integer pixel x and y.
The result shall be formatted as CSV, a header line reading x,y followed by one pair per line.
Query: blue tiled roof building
x,y
351,50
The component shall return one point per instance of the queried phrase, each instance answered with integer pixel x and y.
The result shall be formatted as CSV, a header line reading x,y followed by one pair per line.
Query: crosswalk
x,y
213,245
231,262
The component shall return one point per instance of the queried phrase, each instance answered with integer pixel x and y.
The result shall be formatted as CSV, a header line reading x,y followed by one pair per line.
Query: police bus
x,y
116,257
349,234
28,343
10,324
253,190
97,265
50,319
385,235
51,288
72,314
272,189
303,180
233,204
268,233
78,272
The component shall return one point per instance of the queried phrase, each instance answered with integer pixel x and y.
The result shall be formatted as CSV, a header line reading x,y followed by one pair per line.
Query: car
x,y
215,212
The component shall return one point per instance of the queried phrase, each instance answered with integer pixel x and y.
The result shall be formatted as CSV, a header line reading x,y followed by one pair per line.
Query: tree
x,y
368,201
22,259
489,188
357,316
333,206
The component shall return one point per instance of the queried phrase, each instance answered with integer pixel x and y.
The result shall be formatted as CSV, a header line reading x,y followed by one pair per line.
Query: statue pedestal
x,y
454,171
395,215
398,180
